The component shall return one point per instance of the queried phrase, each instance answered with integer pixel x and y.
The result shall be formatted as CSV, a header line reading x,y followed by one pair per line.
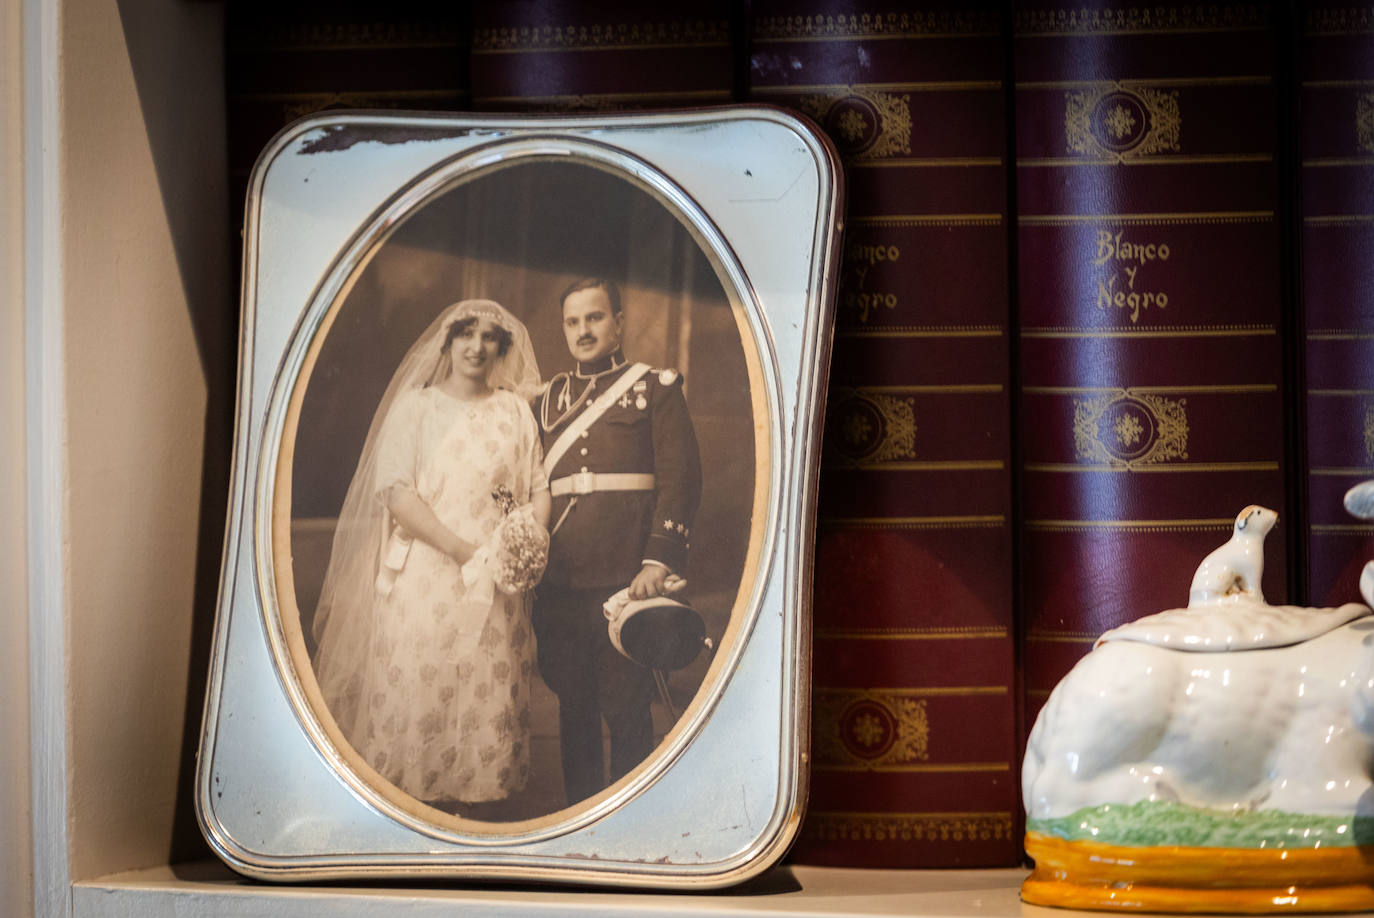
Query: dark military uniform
x,y
610,527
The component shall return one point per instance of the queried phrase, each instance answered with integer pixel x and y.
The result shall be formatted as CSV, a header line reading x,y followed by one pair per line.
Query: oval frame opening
x,y
275,568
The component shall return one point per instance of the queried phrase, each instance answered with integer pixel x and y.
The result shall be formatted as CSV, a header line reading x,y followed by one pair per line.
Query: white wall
x,y
16,887
113,270
143,174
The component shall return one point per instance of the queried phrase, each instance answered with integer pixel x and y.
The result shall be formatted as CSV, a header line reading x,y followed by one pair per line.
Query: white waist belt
x,y
587,482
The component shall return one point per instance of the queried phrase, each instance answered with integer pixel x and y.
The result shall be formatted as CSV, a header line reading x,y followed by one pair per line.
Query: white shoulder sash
x,y
594,411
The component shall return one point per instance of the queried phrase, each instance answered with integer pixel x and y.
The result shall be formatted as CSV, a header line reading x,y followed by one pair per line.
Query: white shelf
x,y
211,890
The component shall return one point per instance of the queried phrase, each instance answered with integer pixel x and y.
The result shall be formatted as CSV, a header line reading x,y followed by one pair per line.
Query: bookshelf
x,y
124,324
119,335
209,889
120,320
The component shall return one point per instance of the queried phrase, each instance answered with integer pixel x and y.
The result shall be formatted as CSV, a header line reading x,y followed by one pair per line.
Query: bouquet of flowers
x,y
521,545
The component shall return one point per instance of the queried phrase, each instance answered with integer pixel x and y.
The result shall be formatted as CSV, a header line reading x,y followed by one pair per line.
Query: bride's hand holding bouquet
x,y
519,546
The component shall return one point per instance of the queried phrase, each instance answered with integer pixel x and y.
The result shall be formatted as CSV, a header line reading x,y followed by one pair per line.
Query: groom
x,y
625,476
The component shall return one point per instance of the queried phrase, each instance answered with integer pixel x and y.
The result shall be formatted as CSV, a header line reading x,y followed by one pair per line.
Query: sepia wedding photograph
x,y
524,484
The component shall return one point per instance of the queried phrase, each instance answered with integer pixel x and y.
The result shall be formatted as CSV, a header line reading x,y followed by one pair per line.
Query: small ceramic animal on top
x,y
1232,572
1359,502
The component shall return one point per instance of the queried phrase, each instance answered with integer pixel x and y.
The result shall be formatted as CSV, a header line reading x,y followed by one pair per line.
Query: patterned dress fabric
x,y
448,712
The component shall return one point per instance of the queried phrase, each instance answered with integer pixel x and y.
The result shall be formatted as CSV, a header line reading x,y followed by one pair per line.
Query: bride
x,y
423,664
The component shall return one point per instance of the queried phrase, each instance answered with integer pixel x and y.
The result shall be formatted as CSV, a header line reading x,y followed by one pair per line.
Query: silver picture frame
x,y
718,229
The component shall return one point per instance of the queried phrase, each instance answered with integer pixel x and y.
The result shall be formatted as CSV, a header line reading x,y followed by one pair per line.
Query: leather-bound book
x,y
1336,95
286,61
913,730
598,55
1151,368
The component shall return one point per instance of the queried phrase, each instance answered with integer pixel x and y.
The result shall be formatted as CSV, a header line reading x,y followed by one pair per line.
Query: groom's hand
x,y
648,582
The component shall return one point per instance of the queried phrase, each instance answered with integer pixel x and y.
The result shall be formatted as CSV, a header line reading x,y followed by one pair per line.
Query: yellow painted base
x,y
1176,879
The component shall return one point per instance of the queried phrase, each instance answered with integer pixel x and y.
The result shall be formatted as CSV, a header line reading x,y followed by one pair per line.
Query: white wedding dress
x,y
423,667
448,717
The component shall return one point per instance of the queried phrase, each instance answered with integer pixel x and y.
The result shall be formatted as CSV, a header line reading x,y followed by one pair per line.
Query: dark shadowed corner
x,y
186,136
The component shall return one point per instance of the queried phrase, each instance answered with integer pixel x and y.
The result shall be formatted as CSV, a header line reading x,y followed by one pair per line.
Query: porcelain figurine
x,y
1215,758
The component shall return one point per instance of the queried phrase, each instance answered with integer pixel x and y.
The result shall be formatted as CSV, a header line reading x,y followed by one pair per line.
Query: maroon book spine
x,y
1336,97
914,761
283,62
1150,309
598,55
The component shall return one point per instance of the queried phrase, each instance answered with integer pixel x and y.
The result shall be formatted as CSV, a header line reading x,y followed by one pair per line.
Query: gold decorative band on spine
x,y
926,691
1338,21
1197,525
876,26
604,99
1222,389
1173,218
297,105
1339,220
1074,468
952,768
1040,85
373,97
928,162
1179,331
1157,159
1146,20
633,37
915,522
351,36
1355,529
1339,334
903,331
1336,84
1335,162
936,220
969,633
1061,637
942,389
1125,32
926,86
1182,879
908,827
835,464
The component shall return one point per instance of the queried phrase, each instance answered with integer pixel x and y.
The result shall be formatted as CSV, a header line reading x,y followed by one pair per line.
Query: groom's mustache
x,y
587,339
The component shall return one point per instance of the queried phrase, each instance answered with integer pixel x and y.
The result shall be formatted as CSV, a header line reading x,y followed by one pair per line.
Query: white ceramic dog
x,y
1230,704
1233,571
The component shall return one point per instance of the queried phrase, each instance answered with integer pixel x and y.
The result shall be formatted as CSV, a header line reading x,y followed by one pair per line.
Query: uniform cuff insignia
x,y
680,528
